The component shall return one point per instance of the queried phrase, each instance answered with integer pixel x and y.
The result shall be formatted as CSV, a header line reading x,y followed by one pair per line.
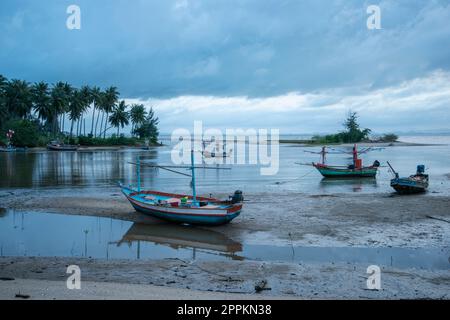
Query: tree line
x,y
49,106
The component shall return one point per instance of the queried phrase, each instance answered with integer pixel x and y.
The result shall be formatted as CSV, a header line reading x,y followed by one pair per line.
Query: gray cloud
x,y
255,48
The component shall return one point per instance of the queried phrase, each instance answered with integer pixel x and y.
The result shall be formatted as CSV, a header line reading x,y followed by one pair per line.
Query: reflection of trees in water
x,y
46,169
16,169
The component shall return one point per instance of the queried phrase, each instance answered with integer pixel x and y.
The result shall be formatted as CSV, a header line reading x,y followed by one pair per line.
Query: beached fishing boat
x,y
182,208
353,170
416,183
56,146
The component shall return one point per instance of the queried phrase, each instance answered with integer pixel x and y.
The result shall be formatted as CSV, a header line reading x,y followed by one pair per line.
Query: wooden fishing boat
x,y
347,172
12,149
354,170
182,208
417,183
56,146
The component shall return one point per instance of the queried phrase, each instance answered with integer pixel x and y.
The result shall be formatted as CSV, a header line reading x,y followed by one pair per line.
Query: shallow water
x,y
55,235
98,169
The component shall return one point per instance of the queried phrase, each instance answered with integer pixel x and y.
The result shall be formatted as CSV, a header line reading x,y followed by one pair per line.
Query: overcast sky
x,y
294,65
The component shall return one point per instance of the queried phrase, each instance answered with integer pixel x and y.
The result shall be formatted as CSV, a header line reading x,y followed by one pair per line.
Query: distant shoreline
x,y
309,143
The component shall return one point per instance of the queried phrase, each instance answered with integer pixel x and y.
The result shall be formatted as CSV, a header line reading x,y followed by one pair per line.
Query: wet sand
x,y
284,280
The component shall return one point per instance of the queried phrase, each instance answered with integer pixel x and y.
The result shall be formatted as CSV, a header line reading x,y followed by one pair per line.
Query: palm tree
x,y
68,95
119,117
110,98
41,100
59,103
85,93
137,115
18,98
95,97
78,105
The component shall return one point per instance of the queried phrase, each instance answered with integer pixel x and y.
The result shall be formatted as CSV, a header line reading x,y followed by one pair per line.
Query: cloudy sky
x,y
289,64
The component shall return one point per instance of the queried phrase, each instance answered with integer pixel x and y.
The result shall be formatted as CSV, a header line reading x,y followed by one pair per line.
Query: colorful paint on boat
x,y
343,172
182,208
417,183
354,170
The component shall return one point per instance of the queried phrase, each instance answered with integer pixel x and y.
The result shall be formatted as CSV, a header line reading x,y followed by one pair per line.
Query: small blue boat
x,y
417,183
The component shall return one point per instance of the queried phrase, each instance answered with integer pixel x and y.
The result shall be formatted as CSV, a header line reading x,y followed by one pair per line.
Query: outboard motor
x,y
420,169
376,164
237,197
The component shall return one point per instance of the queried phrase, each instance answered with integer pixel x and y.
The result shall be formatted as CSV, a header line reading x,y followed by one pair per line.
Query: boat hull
x,y
408,186
333,172
180,214
62,148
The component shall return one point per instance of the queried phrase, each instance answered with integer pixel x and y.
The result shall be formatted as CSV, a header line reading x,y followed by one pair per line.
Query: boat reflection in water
x,y
183,236
354,185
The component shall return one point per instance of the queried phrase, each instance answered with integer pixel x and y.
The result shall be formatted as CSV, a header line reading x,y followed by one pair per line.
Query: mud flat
x,y
284,219
45,278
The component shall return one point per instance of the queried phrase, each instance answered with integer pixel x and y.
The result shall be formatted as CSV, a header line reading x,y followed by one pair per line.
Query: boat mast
x,y
323,154
194,194
355,154
138,174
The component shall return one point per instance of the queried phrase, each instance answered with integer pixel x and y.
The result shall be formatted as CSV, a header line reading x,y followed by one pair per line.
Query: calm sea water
x,y
100,169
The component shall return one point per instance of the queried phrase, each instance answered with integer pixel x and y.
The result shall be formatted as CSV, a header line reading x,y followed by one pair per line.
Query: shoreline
x,y
308,143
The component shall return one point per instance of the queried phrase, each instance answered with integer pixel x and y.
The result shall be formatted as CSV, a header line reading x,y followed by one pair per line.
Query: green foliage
x,y
352,134
27,132
390,137
149,128
45,109
120,116
110,141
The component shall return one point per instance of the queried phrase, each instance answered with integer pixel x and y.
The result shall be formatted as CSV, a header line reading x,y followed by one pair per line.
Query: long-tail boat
x,y
416,183
56,146
354,170
182,208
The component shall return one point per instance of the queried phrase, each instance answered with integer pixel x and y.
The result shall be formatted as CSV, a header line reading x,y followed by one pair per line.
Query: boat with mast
x,y
353,170
182,208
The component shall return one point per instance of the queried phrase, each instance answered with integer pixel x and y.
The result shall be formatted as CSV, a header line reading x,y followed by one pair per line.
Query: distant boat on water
x,y
56,146
12,149
417,183
354,170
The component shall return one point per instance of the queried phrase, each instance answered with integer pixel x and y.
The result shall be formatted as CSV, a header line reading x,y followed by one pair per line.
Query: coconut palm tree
x,y
41,100
59,103
68,89
120,116
95,96
110,98
137,116
78,105
18,98
86,97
